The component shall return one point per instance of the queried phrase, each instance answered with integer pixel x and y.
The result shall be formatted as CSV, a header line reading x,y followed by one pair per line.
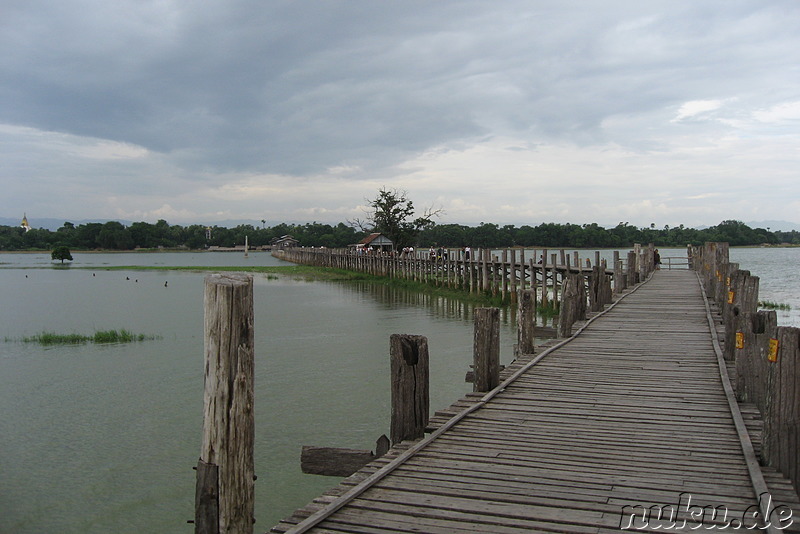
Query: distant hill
x,y
775,226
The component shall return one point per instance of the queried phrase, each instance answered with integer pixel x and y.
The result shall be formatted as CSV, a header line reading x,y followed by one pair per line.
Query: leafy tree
x,y
391,213
61,253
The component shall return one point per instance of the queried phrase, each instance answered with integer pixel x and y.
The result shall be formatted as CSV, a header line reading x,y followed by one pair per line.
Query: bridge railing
x,y
766,356
501,272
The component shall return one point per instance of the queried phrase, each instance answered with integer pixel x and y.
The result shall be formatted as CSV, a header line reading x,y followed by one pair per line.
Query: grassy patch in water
x,y
549,310
769,305
101,336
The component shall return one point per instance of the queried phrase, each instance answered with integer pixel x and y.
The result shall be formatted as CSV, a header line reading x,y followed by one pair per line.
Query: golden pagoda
x,y
24,223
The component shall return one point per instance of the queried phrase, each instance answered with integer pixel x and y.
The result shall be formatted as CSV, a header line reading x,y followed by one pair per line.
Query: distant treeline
x,y
116,236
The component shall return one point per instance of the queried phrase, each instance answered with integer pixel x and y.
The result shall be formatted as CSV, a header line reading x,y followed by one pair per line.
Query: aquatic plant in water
x,y
769,305
102,336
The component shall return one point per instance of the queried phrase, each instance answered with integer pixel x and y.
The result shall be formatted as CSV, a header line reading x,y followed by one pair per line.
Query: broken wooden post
x,y
339,461
526,321
486,349
228,421
410,383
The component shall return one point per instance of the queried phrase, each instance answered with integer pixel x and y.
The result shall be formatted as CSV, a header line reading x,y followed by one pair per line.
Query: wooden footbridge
x,y
631,423
673,405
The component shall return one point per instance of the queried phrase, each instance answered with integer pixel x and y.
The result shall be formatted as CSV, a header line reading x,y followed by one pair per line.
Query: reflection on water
x,y
779,277
437,305
102,438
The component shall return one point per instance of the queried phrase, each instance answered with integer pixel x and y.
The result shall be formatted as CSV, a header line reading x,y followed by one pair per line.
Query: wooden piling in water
x,y
573,303
410,377
631,271
226,453
486,349
619,279
526,321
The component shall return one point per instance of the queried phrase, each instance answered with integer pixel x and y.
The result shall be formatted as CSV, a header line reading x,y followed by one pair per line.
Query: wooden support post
x,y
545,298
410,386
206,499
631,268
555,279
742,298
512,287
721,261
595,303
754,330
573,304
228,421
782,416
526,321
486,350
722,304
619,281
504,275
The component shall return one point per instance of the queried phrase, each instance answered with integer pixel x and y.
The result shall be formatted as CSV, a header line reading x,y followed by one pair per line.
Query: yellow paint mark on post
x,y
731,295
739,340
773,350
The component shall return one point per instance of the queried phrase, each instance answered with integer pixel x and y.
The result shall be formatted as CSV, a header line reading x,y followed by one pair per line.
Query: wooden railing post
x,y
742,298
782,417
226,454
486,351
752,349
410,386
526,321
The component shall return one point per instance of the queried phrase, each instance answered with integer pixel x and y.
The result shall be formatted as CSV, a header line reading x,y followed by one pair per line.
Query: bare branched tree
x,y
392,214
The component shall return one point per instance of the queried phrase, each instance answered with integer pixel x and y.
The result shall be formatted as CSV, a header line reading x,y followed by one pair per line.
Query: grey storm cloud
x,y
294,88
299,86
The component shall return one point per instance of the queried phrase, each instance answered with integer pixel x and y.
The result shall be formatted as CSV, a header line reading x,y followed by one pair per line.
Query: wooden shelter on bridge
x,y
285,241
376,241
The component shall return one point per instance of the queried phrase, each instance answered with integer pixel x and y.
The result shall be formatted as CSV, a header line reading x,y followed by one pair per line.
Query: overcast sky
x,y
511,112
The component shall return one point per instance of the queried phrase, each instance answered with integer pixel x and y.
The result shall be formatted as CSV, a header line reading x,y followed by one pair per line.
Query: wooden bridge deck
x,y
630,411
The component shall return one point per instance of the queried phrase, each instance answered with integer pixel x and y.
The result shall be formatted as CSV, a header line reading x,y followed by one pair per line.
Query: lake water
x,y
103,438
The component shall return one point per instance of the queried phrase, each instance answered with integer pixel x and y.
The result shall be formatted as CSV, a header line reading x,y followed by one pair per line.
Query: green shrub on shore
x,y
102,336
